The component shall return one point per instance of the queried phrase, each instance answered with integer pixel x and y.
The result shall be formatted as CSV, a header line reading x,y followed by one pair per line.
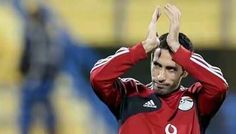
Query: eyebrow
x,y
167,67
157,63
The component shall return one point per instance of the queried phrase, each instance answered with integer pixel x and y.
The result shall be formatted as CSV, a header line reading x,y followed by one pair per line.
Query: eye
x,y
172,69
155,63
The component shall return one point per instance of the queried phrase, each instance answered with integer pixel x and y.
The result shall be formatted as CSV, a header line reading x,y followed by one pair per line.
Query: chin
x,y
161,92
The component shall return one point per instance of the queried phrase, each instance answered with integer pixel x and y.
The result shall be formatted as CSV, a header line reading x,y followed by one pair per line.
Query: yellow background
x,y
92,20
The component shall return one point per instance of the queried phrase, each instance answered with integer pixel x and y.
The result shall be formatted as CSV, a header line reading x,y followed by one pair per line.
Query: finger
x,y
172,12
172,9
169,8
152,25
167,12
156,15
158,12
177,11
177,14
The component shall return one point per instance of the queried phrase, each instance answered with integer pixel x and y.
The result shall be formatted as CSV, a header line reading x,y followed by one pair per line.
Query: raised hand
x,y
173,14
152,41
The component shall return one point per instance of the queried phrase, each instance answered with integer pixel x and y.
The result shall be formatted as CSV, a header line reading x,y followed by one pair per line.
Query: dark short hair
x,y
183,40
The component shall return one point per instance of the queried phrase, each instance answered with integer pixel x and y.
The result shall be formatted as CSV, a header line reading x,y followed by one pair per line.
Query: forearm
x,y
114,66
214,85
198,68
107,71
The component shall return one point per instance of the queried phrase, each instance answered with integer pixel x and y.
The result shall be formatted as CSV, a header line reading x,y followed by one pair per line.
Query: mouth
x,y
160,86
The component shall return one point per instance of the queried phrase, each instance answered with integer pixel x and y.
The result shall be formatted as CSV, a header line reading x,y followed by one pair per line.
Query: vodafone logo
x,y
170,129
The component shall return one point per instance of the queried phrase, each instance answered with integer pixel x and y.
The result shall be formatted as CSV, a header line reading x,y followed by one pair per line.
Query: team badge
x,y
185,103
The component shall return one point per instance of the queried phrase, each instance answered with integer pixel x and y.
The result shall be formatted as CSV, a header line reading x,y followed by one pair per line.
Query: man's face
x,y
166,74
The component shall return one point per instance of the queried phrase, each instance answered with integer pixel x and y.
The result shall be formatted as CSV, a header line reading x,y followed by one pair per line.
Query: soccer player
x,y
163,106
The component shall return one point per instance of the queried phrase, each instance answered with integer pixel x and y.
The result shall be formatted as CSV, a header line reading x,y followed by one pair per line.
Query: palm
x,y
152,41
173,14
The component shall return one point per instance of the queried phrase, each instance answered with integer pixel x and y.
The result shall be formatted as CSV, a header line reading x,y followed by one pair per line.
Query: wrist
x,y
150,45
146,46
174,46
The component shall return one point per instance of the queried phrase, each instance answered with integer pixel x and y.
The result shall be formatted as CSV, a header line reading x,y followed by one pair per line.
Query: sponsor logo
x,y
170,129
150,104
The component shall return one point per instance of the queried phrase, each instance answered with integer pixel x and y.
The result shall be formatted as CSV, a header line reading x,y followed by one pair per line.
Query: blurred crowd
x,y
52,69
48,51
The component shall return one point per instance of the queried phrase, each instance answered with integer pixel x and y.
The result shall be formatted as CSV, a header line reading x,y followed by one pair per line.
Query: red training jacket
x,y
140,110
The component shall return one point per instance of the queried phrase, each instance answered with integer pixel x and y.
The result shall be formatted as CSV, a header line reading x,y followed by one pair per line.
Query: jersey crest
x,y
186,103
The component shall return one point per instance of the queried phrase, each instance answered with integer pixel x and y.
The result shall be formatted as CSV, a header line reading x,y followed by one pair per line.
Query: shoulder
x,y
194,88
134,87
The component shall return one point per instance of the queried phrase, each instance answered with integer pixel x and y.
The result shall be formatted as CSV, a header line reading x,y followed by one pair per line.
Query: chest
x,y
158,115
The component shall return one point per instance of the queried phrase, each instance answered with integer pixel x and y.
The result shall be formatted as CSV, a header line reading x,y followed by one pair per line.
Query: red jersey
x,y
140,110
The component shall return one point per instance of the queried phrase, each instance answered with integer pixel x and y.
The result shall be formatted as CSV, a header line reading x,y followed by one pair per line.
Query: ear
x,y
184,74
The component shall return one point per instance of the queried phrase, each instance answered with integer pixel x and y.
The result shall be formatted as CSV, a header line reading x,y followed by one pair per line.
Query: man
x,y
40,64
164,106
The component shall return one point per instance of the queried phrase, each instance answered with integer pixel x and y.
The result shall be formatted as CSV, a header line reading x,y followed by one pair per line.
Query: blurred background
x,y
49,46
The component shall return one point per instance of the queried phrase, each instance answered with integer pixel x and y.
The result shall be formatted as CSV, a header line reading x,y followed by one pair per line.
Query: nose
x,y
161,76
